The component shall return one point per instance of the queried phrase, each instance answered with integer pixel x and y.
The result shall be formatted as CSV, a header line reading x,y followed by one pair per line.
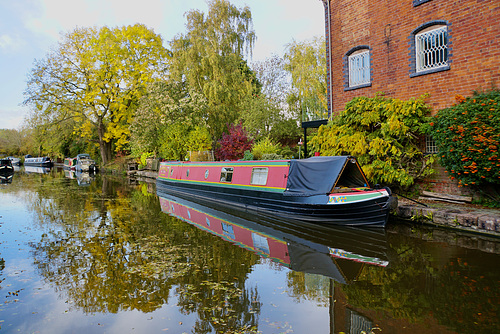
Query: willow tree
x,y
210,59
95,76
306,61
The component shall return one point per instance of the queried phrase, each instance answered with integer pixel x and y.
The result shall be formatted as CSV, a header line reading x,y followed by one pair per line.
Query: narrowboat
x,y
85,164
6,170
38,161
338,252
323,189
15,161
70,163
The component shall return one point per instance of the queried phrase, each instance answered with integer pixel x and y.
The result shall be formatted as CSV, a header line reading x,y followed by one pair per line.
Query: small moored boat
x,y
15,161
38,161
85,164
6,170
329,190
70,163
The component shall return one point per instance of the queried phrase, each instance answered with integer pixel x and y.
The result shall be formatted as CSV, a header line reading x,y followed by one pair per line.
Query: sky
x,y
29,29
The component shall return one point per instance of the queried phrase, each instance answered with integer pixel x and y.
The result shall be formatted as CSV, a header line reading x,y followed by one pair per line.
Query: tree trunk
x,y
104,146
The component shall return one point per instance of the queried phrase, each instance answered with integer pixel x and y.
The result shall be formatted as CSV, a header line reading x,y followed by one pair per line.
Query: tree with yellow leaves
x,y
95,77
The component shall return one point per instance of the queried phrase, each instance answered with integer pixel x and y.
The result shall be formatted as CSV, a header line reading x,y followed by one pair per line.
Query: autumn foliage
x,y
384,134
232,145
468,137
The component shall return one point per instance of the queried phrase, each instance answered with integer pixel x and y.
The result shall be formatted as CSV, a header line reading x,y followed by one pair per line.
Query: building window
x,y
357,68
430,49
259,176
430,145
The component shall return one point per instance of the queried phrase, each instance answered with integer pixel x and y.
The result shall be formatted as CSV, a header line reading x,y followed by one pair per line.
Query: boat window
x,y
226,174
228,230
187,173
259,176
260,242
206,174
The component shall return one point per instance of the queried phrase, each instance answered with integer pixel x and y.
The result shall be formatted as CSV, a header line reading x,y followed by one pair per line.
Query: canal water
x,y
82,254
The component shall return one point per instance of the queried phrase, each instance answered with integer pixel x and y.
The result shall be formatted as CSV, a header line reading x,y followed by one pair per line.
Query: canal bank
x,y
464,217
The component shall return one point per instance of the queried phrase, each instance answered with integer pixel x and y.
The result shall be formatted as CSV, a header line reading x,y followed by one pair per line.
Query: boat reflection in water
x,y
83,178
338,252
36,169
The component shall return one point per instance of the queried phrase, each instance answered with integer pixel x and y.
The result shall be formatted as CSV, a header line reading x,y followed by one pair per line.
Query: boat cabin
x,y
319,175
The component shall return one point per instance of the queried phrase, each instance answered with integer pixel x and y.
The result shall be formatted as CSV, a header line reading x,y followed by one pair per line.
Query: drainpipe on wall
x,y
328,41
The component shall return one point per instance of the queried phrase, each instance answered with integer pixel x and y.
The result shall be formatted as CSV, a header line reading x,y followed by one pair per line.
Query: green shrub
x,y
468,138
247,155
264,146
272,156
384,134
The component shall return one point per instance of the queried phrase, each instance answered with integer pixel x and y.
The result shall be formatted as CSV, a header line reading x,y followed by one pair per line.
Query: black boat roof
x,y
319,175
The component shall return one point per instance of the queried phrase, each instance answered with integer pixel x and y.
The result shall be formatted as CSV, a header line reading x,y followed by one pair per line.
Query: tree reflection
x,y
419,286
109,248
309,286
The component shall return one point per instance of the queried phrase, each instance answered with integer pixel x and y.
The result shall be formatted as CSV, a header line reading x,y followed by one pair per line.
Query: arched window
x,y
430,48
357,68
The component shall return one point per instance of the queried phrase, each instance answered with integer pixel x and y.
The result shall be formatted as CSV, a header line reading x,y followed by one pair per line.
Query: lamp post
x,y
300,144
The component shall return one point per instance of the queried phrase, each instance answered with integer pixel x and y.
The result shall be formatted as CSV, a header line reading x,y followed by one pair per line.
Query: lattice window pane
x,y
359,68
432,49
430,145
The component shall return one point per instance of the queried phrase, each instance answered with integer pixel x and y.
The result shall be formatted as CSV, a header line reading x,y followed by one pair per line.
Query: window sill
x,y
434,70
357,87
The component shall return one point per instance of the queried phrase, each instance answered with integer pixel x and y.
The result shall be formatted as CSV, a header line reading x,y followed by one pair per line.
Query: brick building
x,y
406,48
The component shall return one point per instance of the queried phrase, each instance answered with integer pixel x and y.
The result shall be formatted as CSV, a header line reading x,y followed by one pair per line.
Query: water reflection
x,y
84,179
110,249
37,170
335,252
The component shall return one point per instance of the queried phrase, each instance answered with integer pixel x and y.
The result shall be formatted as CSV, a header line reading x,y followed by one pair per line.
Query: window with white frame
x,y
430,145
359,68
259,176
431,48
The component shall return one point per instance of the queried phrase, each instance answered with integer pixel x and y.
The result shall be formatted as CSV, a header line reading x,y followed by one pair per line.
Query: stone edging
x,y
478,221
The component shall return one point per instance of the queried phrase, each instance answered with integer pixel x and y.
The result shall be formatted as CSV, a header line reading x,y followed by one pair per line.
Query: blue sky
x,y
30,28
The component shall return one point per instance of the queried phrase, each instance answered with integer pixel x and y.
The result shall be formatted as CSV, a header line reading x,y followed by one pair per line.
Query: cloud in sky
x,y
30,28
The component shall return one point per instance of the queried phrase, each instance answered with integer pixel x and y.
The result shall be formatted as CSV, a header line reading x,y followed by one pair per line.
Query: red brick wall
x,y
386,26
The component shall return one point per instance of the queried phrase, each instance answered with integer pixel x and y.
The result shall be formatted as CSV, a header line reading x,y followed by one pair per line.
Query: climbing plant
x,y
468,137
384,134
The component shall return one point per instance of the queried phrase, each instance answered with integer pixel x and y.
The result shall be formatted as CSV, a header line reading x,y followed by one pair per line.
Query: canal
x,y
105,255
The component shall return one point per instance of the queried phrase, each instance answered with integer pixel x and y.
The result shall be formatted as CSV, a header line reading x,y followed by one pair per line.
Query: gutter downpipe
x,y
328,41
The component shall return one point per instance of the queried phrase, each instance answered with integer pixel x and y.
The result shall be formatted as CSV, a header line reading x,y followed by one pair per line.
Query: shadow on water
x,y
104,248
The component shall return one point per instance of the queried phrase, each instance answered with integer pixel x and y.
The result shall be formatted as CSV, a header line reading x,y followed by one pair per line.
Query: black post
x,y
311,124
